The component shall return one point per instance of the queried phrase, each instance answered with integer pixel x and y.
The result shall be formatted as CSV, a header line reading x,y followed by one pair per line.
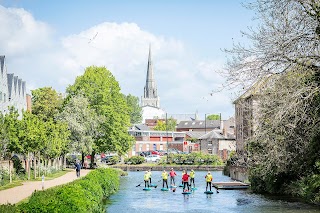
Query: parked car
x,y
154,152
153,158
106,159
145,153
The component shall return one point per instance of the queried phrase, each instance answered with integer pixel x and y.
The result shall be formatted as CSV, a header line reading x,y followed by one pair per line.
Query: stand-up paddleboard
x,y
173,186
208,192
186,193
194,188
164,189
181,185
153,185
146,189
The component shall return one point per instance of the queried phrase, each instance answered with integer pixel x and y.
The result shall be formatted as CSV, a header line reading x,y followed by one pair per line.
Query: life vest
x,y
164,176
172,173
146,176
192,174
208,178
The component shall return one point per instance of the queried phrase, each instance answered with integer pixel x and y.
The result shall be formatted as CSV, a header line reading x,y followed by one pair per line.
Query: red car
x,y
155,153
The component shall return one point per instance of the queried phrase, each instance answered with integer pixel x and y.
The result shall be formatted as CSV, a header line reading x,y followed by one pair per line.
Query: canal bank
x,y
156,167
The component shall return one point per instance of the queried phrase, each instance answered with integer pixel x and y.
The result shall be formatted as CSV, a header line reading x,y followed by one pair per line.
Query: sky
x,y
50,43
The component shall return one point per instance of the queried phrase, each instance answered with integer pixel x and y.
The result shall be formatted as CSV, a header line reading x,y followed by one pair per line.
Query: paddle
x,y
139,184
215,188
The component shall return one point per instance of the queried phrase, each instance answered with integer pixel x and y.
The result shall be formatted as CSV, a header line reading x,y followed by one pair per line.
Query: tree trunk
x,y
10,171
82,158
92,159
29,166
34,165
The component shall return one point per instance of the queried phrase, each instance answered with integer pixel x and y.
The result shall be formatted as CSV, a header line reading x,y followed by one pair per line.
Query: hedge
x,y
83,195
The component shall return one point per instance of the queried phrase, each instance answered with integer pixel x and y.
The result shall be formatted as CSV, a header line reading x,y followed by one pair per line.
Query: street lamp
x,y
167,136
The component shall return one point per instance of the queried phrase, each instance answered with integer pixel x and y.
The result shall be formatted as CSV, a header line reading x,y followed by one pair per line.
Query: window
x,y
4,97
148,147
140,147
0,96
161,146
134,148
209,151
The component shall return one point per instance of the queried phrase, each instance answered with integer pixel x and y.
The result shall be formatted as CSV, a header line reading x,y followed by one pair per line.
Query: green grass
x,y
54,175
16,183
11,185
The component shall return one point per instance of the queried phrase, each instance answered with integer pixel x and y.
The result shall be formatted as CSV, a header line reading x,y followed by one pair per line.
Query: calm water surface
x,y
133,199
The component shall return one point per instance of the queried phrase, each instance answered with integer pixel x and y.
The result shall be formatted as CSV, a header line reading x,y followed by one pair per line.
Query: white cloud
x,y
184,83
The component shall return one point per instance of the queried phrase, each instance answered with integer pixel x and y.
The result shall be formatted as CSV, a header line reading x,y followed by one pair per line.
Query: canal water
x,y
133,199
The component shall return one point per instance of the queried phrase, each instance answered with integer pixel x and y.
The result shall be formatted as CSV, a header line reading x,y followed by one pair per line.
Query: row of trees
x,y
94,117
284,153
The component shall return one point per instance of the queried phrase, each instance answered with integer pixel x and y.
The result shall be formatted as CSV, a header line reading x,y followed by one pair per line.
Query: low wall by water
x,y
165,167
239,173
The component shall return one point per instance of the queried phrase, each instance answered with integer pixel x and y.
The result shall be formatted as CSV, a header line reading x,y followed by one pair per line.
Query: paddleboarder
x,y
183,172
164,178
172,175
146,179
208,180
192,175
185,180
150,174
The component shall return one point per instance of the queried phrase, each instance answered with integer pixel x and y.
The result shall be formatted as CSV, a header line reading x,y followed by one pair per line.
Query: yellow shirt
x,y
164,175
192,174
146,176
208,178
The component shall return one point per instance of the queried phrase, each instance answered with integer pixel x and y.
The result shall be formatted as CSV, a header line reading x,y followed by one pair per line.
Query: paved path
x,y
16,194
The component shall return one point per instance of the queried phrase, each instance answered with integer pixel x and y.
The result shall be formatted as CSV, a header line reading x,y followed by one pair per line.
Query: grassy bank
x,y
83,195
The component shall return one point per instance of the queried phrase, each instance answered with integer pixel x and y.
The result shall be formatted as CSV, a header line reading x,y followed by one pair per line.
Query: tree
x,y
213,117
161,125
284,53
102,90
135,110
83,123
46,102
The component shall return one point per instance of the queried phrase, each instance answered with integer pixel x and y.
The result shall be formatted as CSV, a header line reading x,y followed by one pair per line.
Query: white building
x,y
12,90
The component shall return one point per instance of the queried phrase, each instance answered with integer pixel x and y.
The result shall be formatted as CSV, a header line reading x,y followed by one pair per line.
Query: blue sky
x,y
46,44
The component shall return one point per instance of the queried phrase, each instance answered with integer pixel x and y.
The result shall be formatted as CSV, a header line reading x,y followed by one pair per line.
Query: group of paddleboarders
x,y
187,179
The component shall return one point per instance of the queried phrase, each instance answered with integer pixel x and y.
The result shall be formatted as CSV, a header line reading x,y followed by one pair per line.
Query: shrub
x,y
83,195
135,160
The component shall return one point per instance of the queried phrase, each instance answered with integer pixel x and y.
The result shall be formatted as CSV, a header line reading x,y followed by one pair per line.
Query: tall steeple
x,y
150,97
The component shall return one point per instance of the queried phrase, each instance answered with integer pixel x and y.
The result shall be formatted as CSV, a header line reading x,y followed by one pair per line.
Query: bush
x,y
114,159
135,160
83,195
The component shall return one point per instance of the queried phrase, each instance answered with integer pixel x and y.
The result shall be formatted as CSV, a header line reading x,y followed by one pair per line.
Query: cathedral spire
x,y
150,96
150,90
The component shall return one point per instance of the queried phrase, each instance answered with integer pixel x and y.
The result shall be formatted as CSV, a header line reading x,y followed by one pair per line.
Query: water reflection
x,y
133,199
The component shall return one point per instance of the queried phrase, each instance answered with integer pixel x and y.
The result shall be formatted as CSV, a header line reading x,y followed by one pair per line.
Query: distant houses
x,y
12,91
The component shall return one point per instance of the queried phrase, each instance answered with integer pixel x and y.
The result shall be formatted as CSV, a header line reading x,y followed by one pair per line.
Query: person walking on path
x,y
192,175
185,180
172,175
164,178
146,179
208,180
78,168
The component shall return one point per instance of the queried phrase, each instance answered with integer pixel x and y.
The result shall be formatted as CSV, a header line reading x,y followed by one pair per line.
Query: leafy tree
x,y
46,102
83,122
284,56
213,117
58,134
135,110
102,90
11,132
161,125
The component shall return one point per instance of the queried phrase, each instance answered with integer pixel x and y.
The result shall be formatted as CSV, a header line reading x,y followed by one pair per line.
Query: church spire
x,y
150,90
150,97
